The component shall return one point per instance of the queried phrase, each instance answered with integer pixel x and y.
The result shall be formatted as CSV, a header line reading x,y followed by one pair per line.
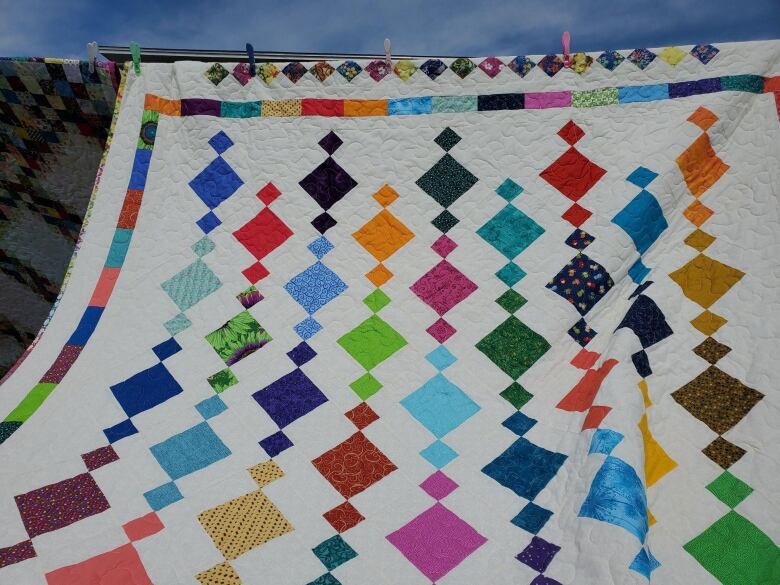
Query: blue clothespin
x,y
135,53
250,52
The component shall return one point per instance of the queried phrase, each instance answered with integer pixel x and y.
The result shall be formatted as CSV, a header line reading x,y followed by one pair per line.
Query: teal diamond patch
x,y
510,231
511,274
509,189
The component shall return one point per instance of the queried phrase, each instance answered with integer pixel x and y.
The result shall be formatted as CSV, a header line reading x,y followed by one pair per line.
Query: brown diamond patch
x,y
711,350
723,453
717,399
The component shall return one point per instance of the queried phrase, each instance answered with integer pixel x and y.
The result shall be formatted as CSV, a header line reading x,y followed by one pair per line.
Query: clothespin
x,y
388,54
91,55
250,53
566,39
135,53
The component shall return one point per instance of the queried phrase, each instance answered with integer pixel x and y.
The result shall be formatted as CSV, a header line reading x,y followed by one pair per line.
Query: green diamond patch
x,y
737,552
222,380
729,489
511,301
516,395
513,346
377,300
446,181
372,342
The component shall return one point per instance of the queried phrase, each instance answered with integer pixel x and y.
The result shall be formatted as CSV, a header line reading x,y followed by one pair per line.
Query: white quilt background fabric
x,y
481,543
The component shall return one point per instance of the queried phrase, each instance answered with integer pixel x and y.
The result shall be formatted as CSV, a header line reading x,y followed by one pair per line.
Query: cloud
x,y
442,27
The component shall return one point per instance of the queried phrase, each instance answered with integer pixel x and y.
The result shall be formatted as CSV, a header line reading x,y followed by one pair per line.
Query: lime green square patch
x,y
372,342
238,338
595,97
366,386
149,121
377,300
222,380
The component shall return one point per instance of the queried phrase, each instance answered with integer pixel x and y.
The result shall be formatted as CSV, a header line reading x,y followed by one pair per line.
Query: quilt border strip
x,y
156,105
421,105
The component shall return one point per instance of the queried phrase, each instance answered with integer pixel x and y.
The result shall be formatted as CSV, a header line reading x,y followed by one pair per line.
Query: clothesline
x,y
157,55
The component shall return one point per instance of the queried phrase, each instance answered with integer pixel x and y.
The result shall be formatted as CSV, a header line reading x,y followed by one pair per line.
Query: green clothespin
x,y
135,53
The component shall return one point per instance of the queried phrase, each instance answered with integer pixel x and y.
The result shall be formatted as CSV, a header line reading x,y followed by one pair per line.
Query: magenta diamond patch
x,y
491,66
441,331
443,246
443,287
438,485
436,541
242,73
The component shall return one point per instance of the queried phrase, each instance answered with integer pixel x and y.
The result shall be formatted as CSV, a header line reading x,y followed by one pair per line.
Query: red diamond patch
x,y
576,215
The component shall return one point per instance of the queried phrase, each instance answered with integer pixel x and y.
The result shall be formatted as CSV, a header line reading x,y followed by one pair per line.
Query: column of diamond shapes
x,y
242,335
370,343
648,323
374,340
217,182
583,282
628,511
714,397
294,395
242,524
353,466
437,540
512,345
642,219
524,467
213,185
439,404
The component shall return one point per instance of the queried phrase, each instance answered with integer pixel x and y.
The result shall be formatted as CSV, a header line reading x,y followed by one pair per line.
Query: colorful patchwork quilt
x,y
54,119
448,321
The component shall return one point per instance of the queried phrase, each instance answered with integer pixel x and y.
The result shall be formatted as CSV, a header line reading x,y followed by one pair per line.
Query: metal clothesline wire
x,y
158,55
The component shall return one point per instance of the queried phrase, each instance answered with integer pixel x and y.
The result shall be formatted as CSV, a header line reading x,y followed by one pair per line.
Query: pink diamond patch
x,y
443,246
491,66
441,331
438,485
443,287
436,541
242,73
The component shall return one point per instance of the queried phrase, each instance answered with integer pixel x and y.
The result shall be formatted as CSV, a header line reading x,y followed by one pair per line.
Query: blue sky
x,y
61,28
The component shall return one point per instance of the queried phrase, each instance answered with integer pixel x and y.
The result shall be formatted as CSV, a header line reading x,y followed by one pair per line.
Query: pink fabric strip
x,y
548,99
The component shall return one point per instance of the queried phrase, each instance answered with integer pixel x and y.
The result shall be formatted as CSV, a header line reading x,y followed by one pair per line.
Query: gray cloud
x,y
455,27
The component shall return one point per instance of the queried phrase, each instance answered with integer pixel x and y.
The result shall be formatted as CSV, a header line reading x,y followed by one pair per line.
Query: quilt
x,y
54,120
444,321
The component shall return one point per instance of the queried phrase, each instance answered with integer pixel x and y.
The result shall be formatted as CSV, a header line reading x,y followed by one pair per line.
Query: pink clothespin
x,y
388,54
566,39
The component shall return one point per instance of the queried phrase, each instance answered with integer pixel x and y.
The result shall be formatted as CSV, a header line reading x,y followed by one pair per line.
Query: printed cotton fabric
x,y
451,321
54,119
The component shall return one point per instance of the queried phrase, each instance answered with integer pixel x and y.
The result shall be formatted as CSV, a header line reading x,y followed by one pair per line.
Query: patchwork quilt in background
x,y
54,119
454,321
